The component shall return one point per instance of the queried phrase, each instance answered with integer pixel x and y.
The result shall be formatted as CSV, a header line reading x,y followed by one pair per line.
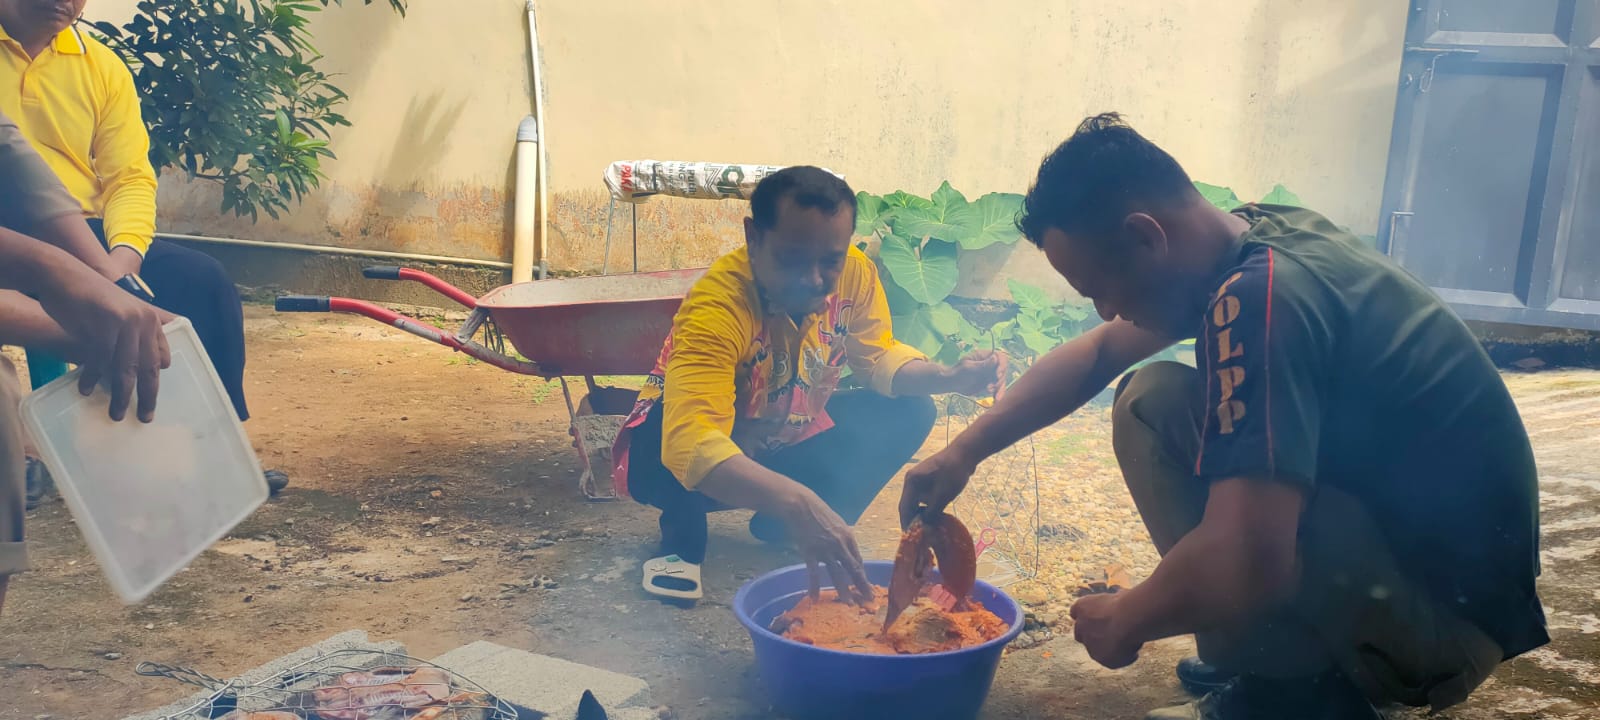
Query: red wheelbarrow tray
x,y
592,325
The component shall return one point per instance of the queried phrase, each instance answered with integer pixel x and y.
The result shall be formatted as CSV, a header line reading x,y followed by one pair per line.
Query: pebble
x,y
451,559
1024,641
469,597
436,495
1048,618
111,656
149,626
1032,596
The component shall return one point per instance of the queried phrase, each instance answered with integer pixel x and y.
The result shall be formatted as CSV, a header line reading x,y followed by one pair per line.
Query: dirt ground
x,y
434,501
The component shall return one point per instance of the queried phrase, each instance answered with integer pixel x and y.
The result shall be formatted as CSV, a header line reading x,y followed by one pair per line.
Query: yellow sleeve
x,y
121,157
872,349
709,337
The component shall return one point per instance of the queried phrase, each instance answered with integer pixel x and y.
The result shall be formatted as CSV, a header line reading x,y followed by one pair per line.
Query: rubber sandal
x,y
672,577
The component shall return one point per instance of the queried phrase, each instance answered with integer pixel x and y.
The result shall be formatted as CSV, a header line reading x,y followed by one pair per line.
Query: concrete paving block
x,y
348,640
540,682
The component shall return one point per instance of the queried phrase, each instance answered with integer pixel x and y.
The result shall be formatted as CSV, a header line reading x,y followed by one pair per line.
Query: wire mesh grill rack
x,y
1002,495
353,684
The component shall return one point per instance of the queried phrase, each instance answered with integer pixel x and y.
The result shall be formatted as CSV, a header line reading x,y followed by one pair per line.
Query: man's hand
x,y
119,337
825,540
978,374
934,483
1097,626
124,260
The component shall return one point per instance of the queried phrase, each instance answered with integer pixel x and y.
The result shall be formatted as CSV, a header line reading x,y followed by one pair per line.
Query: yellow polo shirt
x,y
736,378
76,104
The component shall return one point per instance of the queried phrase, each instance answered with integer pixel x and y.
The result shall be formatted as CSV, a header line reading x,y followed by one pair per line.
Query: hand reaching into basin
x,y
825,540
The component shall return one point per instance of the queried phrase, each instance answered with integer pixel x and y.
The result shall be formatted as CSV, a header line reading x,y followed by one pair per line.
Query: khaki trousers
x,y
13,551
1353,610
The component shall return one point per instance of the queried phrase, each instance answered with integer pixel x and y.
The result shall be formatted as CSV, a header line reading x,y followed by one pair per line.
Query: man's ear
x,y
1146,233
752,233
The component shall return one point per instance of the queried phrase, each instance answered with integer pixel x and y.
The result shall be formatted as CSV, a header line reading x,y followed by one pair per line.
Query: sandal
x,y
672,577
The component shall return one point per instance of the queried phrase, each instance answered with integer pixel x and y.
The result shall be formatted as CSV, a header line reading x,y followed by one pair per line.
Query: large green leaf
x,y
903,199
1221,197
948,197
949,218
1078,311
945,319
916,329
870,210
992,219
927,274
1027,296
1280,195
1037,341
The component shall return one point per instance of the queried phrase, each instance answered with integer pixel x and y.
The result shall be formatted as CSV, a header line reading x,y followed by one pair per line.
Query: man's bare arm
x,y
1059,382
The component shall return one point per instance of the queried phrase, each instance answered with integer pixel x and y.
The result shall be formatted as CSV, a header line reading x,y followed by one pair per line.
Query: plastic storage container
x,y
149,497
808,682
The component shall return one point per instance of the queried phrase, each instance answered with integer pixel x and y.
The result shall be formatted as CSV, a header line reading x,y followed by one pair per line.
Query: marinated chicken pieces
x,y
941,538
382,694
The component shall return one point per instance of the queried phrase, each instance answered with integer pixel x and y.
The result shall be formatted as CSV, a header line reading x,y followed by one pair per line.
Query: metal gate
x,y
1493,189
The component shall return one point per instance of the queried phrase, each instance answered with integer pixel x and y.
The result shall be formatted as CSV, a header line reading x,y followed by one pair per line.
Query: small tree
x,y
231,93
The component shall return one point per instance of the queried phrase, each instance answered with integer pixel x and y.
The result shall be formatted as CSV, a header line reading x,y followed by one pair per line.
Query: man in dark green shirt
x,y
1343,493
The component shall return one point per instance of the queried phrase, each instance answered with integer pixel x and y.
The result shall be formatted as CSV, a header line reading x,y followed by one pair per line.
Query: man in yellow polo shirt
x,y
741,410
76,103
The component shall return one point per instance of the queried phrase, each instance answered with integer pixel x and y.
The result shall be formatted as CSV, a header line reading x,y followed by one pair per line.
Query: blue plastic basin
x,y
809,682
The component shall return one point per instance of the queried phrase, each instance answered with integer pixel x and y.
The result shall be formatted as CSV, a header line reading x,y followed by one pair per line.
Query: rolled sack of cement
x,y
636,180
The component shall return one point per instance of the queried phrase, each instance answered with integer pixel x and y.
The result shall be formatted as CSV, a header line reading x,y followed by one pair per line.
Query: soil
x,y
435,501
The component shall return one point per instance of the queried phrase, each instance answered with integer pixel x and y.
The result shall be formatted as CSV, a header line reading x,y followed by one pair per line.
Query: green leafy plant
x,y
231,93
920,241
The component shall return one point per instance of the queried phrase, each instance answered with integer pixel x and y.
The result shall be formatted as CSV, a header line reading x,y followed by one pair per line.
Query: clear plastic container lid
x,y
150,497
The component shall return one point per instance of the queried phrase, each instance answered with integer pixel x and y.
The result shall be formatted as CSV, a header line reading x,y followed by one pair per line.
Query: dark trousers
x,y
193,284
847,465
1354,609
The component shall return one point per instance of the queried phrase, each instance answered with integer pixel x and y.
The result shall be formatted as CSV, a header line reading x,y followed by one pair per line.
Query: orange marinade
x,y
924,628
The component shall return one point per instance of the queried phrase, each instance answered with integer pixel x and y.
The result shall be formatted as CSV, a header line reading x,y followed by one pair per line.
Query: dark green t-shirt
x,y
1328,364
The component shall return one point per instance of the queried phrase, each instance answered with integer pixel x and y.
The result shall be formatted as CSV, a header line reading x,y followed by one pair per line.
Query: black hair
x,y
810,187
1099,175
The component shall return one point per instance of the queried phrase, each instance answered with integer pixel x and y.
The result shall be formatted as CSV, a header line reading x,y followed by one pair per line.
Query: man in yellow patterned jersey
x,y
741,411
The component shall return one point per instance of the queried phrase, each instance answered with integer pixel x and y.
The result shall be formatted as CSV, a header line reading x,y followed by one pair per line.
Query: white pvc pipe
x,y
330,250
544,143
524,217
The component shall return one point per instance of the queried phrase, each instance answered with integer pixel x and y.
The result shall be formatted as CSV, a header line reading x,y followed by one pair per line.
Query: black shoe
x,y
1198,678
1329,696
277,480
38,484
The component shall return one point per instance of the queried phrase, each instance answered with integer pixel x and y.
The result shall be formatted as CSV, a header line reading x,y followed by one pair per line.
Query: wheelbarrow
x,y
582,326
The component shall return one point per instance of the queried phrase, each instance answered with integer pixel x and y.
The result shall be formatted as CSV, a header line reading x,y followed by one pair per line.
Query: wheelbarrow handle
x,y
458,341
302,303
392,272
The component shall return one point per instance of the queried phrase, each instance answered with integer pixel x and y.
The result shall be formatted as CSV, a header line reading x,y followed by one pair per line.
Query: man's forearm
x,y
23,322
921,377
1059,382
1208,581
71,234
744,483
30,266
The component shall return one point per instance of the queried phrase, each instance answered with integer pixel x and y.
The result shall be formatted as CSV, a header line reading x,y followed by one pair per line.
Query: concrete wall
x,y
896,95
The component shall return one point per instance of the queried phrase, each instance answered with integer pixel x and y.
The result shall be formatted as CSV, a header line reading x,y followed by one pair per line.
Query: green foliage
x,y
231,93
920,243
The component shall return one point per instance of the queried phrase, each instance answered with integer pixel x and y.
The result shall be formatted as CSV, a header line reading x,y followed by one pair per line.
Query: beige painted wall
x,y
896,95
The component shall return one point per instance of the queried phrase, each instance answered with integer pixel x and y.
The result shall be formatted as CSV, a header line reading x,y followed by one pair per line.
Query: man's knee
x,y
169,263
918,414
1159,399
